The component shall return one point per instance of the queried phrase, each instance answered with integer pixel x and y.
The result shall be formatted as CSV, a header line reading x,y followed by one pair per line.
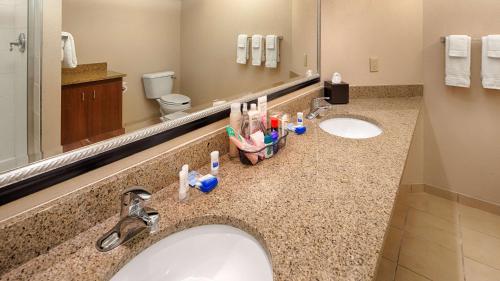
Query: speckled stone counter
x,y
86,73
320,207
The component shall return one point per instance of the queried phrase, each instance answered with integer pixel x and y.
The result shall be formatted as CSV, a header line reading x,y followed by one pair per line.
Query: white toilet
x,y
158,86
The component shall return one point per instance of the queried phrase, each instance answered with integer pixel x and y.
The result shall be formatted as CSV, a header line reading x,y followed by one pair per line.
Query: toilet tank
x,y
158,84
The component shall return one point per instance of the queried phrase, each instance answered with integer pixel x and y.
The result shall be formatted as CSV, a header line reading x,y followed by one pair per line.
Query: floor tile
x,y
481,247
403,274
479,220
426,226
392,244
431,260
475,271
386,270
433,205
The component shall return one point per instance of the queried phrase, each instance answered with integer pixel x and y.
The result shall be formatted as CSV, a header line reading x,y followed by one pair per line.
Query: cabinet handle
x,y
83,96
94,94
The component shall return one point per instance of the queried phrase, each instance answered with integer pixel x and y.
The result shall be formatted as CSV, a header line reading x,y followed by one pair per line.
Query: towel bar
x,y
279,37
443,39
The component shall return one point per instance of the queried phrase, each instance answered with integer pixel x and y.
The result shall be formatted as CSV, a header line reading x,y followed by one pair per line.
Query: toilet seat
x,y
175,99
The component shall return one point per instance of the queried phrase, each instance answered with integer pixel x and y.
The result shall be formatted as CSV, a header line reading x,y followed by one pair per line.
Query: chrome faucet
x,y
317,108
135,217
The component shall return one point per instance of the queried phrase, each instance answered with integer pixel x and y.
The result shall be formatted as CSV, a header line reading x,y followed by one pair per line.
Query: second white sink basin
x,y
350,128
205,253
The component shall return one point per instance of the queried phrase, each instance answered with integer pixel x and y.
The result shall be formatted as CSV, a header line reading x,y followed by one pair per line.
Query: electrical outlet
x,y
374,67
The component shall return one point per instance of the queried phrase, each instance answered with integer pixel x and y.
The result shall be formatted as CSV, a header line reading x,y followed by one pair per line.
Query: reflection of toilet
x,y
158,86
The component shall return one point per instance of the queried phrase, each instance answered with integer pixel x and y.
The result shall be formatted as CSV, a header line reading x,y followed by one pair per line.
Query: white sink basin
x,y
205,253
350,128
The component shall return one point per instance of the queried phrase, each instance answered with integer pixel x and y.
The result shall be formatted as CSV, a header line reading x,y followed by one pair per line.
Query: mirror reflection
x,y
109,67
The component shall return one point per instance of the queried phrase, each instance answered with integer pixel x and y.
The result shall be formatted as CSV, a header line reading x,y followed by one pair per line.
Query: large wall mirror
x,y
82,78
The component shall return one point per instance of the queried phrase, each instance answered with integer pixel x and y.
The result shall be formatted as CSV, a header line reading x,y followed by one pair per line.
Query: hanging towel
x,y
272,51
243,51
68,51
490,67
458,58
257,50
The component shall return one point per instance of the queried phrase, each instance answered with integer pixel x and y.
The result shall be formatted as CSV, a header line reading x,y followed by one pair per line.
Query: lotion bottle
x,y
214,163
235,119
254,117
245,123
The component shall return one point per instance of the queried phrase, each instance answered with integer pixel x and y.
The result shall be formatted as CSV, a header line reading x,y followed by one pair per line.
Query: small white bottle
x,y
300,119
254,119
235,122
214,163
183,183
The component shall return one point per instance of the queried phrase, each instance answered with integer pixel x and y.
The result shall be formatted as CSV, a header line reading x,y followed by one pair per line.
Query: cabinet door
x,y
74,114
105,116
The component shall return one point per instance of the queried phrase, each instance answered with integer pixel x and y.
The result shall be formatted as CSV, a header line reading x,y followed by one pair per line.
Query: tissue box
x,y
338,93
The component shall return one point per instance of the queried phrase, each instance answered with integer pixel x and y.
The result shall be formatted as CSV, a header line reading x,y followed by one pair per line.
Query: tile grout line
x,y
416,273
461,240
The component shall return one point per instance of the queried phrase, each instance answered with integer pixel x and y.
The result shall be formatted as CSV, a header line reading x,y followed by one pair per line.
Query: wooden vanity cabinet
x,y
91,112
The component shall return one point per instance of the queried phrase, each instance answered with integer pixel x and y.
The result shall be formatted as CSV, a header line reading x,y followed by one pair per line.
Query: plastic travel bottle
x,y
245,123
269,150
274,129
262,103
214,163
300,119
235,121
254,117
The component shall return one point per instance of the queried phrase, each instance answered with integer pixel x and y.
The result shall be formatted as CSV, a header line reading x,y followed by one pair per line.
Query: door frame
x,y
34,79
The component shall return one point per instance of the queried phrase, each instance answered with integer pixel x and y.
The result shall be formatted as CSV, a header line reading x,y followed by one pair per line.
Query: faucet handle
x,y
153,218
133,200
138,191
316,101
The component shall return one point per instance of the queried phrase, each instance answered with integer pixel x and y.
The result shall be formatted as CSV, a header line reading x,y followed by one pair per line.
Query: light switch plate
x,y
374,67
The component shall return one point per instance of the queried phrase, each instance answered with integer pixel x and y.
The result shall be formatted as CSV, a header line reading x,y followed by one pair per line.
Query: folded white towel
x,y
257,50
494,46
243,50
69,59
458,58
490,67
459,46
272,51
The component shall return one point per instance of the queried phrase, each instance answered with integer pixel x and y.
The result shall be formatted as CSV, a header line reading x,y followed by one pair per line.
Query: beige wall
x,y
133,37
354,31
51,79
209,30
462,135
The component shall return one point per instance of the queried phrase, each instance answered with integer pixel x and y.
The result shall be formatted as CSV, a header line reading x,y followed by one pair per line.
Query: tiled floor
x,y
435,239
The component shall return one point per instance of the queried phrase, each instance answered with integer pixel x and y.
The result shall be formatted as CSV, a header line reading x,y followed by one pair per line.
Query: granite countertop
x,y
85,73
320,207
90,77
